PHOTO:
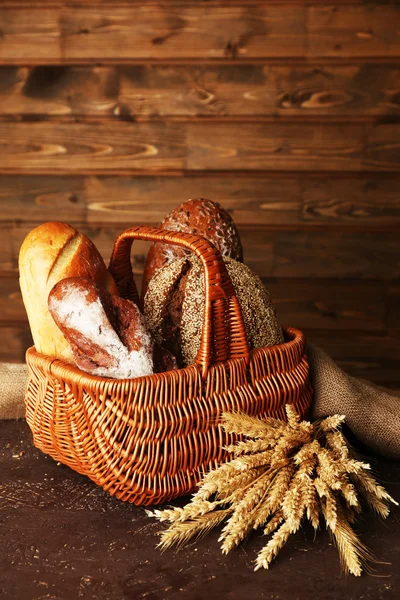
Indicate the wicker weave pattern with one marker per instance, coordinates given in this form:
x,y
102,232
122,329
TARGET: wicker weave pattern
x,y
149,440
223,333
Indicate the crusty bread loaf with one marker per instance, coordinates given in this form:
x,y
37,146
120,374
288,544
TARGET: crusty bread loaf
x,y
107,334
49,253
174,307
200,217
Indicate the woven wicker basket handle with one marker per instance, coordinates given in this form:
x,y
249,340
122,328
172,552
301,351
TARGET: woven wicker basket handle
x,y
223,334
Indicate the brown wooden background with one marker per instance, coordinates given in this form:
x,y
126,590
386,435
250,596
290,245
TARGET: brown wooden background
x,y
288,113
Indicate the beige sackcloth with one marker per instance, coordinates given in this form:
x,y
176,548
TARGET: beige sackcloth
x,y
13,382
371,413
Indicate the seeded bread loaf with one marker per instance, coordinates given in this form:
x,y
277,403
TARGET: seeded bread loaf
x,y
174,307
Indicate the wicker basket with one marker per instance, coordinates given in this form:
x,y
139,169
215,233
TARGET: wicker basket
x,y
150,439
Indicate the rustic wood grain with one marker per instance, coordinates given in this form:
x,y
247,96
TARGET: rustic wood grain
x,y
303,147
151,91
331,305
12,308
287,254
372,357
127,3
367,30
154,32
351,256
9,252
29,35
276,146
72,148
346,202
379,151
248,31
334,306
251,90
283,202
14,342
189,31
46,147
35,200
126,201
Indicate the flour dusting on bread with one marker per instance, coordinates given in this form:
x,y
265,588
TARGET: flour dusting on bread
x,y
81,314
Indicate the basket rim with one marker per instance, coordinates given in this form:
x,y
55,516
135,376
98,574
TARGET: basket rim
x,y
69,372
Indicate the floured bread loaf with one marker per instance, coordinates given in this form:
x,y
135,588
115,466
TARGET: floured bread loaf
x,y
107,334
49,253
174,307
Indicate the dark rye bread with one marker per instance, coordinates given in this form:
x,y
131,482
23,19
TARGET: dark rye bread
x,y
200,217
174,307
107,334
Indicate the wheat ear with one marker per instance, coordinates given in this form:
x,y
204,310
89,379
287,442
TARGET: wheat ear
x,y
275,544
180,533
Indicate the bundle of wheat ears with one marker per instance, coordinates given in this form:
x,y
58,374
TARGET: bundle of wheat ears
x,y
282,474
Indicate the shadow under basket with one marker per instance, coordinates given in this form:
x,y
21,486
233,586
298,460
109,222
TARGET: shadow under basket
x,y
151,439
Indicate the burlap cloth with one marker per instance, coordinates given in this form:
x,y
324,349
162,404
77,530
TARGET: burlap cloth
x,y
13,382
371,413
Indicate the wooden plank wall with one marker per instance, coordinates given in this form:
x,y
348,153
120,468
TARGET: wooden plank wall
x,y
286,112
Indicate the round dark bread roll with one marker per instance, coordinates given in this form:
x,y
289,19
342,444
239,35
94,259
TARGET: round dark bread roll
x,y
201,217
174,307
107,334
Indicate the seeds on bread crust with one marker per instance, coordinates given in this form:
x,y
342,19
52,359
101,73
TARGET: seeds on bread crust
x,y
174,307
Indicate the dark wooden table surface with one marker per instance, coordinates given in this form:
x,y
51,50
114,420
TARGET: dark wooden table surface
x,y
61,537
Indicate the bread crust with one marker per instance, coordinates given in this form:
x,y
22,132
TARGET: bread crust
x,y
198,216
107,333
174,307
51,252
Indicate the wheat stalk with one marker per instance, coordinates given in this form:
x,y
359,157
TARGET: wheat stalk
x,y
241,521
276,543
293,419
181,533
275,493
281,474
251,427
330,423
250,446
312,503
354,556
274,523
369,486
337,443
